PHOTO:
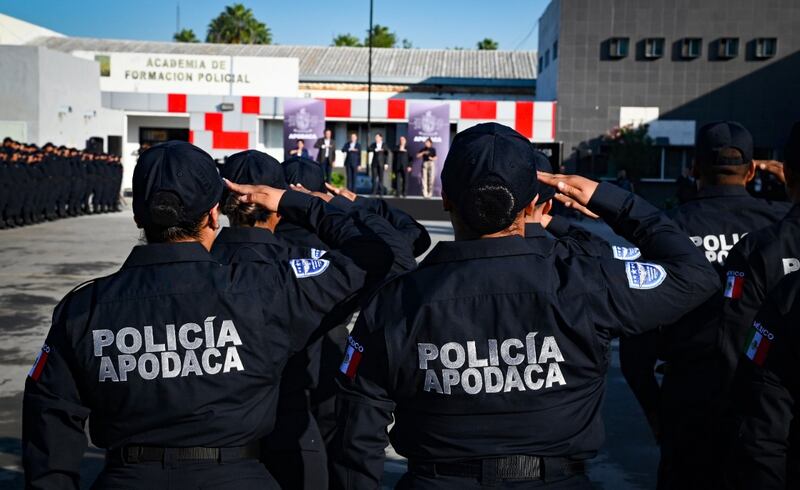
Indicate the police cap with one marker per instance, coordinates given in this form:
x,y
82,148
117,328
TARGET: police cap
x,y
715,137
252,167
174,182
308,173
494,156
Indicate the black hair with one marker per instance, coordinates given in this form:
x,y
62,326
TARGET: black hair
x,y
427,140
168,224
242,213
379,134
717,172
490,209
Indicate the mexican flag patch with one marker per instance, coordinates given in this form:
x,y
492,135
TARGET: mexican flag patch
x,y
352,358
734,285
758,344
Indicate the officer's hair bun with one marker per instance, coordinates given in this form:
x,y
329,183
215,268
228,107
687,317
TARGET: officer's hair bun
x,y
166,209
487,207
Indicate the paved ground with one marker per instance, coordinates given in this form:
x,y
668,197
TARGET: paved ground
x,y
39,264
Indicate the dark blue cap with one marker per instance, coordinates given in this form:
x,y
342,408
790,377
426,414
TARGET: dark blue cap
x,y
252,167
308,173
491,153
717,136
543,164
175,175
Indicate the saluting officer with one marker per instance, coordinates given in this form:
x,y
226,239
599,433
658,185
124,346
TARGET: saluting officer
x,y
176,359
492,355
767,396
683,411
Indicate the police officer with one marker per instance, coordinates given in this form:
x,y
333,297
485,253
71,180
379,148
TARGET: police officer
x,y
682,412
176,359
492,355
766,396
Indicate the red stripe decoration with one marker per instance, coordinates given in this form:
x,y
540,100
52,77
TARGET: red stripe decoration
x,y
176,102
229,140
553,122
478,109
523,119
251,105
213,121
337,107
761,353
38,365
396,109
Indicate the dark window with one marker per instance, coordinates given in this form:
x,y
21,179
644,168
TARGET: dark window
x,y
766,47
555,50
654,47
691,47
728,47
541,63
546,57
618,47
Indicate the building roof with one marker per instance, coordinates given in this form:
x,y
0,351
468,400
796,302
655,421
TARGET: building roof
x,y
346,64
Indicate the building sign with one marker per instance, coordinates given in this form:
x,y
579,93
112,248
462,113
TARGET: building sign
x,y
195,74
427,120
303,119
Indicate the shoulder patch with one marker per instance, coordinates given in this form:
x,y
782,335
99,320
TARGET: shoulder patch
x,y
644,275
352,358
734,285
316,253
308,267
38,364
758,343
625,253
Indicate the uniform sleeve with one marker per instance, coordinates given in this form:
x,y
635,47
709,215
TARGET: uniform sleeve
x,y
669,279
576,238
412,232
363,411
53,415
743,295
637,357
764,403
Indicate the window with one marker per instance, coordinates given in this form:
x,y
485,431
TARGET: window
x,y
555,50
728,47
546,58
691,47
766,47
618,47
654,47
541,63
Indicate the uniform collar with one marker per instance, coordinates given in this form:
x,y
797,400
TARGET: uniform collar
x,y
534,230
483,249
246,234
722,191
162,253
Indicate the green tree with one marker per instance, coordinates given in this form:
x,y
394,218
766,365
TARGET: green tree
x,y
488,44
381,37
237,25
630,148
407,44
185,36
346,40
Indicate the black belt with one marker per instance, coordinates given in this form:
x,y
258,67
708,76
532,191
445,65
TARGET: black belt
x,y
149,454
517,467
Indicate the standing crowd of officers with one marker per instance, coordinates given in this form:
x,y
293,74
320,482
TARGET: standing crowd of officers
x,y
53,182
222,358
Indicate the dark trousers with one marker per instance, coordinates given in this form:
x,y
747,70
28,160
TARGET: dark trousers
x,y
327,168
247,474
400,182
352,171
411,481
294,453
377,179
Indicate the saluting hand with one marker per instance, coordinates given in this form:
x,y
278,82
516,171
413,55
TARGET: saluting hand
x,y
772,166
300,188
265,196
340,191
574,191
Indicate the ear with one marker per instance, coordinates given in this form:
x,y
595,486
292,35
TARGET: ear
x,y
751,172
548,206
213,218
530,209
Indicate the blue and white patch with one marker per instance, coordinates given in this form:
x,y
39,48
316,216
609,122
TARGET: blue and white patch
x,y
625,253
644,275
317,254
303,268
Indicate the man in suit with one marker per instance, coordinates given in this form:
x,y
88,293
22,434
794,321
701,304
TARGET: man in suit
x,y
379,163
352,160
326,153
401,167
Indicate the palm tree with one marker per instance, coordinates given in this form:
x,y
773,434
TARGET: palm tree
x,y
488,44
381,37
185,36
237,25
346,40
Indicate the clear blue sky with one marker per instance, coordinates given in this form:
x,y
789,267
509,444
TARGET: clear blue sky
x,y
426,23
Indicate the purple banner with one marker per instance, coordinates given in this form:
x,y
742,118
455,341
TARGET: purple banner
x,y
427,120
303,119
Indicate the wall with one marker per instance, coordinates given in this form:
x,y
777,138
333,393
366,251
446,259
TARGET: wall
x,y
19,87
760,94
549,29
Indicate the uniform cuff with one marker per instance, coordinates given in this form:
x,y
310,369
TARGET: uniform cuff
x,y
294,206
608,200
342,203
